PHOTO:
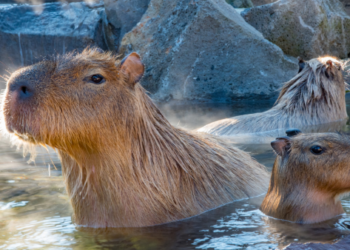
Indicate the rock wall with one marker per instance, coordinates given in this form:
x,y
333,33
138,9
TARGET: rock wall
x,y
123,15
203,50
30,33
308,29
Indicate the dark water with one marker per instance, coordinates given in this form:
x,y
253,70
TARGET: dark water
x,y
35,211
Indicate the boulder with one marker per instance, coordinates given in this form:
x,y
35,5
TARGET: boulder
x,y
123,15
203,50
240,3
30,33
346,4
304,28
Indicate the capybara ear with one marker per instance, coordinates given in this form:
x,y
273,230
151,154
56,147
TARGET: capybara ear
x,y
329,64
133,68
301,64
281,145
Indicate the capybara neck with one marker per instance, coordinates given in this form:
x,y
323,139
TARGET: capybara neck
x,y
124,165
309,176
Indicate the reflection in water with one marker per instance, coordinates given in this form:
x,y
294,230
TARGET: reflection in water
x,y
35,211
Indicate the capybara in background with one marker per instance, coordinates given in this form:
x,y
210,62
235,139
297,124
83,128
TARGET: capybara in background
x,y
309,176
316,95
123,163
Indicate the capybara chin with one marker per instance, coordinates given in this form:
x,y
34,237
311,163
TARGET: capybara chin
x,y
316,95
124,165
309,176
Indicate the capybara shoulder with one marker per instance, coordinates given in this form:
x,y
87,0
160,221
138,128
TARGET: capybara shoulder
x,y
124,164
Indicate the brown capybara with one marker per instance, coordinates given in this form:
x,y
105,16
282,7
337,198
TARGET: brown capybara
x,y
316,95
309,176
124,165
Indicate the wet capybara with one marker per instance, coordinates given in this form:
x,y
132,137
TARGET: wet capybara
x,y
316,95
309,176
123,163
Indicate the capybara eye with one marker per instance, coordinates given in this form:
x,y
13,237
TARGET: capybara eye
x,y
97,79
317,150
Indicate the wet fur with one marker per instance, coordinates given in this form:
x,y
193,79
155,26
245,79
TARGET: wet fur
x,y
123,163
306,188
310,98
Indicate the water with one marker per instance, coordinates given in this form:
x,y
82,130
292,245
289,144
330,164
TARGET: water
x,y
35,212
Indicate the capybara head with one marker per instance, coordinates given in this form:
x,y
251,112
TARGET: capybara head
x,y
71,100
310,173
319,79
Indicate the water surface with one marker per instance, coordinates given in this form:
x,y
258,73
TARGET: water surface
x,y
35,212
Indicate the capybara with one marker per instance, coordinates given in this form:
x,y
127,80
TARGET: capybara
x,y
123,163
309,176
316,95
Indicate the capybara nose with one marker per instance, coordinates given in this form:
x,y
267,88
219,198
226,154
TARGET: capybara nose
x,y
292,132
22,90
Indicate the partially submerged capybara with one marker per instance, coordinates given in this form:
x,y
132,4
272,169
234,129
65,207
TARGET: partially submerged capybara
x,y
316,95
309,176
124,165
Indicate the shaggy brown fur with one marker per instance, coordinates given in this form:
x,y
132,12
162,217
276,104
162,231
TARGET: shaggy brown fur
x,y
123,163
306,187
316,95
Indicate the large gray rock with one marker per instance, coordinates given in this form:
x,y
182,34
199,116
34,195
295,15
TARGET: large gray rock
x,y
309,28
30,33
204,50
240,3
123,15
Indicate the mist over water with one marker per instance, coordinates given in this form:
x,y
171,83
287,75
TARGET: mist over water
x,y
35,212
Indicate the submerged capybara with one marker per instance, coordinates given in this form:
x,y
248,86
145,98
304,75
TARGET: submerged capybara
x,y
316,95
123,163
309,176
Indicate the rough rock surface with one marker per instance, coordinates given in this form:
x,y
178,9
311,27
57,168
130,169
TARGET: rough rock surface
x,y
204,50
343,244
346,4
123,15
304,28
30,33
240,3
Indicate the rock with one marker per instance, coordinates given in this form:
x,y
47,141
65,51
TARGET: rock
x,y
240,3
262,2
346,4
30,33
304,28
342,244
203,50
123,15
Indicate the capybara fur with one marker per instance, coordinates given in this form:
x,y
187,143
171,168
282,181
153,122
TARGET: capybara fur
x,y
316,95
123,163
310,175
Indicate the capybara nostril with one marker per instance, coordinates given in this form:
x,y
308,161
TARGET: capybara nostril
x,y
292,132
25,92
22,90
